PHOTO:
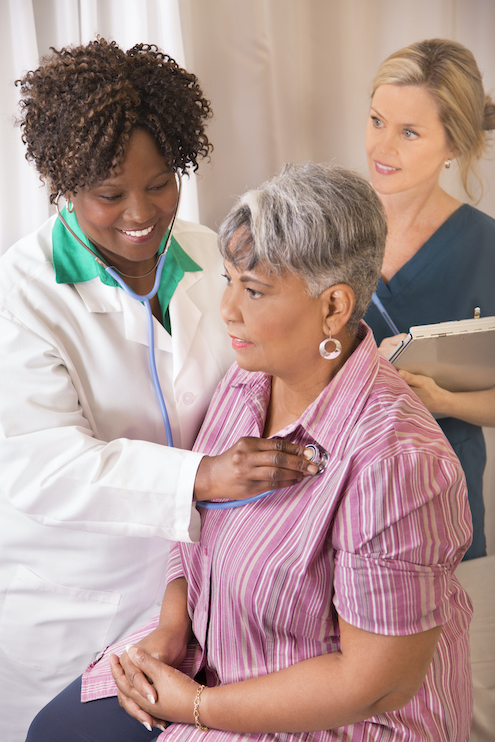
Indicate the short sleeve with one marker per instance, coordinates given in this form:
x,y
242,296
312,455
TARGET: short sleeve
x,y
174,567
403,526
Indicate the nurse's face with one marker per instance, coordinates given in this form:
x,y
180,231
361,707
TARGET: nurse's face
x,y
406,142
127,215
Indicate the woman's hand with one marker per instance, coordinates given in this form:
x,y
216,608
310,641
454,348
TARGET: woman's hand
x,y
173,693
372,674
390,344
162,646
167,644
252,466
433,396
477,408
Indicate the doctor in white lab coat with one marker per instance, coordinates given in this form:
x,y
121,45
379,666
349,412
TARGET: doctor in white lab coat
x,y
82,446
90,495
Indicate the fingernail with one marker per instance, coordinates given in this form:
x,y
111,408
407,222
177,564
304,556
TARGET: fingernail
x,y
145,724
313,468
127,647
151,699
308,453
159,726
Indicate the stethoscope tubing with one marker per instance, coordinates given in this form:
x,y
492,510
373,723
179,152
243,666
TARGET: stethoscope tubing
x,y
142,298
146,299
228,504
386,316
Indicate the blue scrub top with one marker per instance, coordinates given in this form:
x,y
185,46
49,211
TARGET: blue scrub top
x,y
450,275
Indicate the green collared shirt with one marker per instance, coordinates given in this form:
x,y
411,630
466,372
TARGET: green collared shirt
x,y
74,264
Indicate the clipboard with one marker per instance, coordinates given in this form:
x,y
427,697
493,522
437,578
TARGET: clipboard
x,y
459,355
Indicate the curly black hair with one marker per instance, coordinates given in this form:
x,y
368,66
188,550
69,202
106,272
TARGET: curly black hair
x,y
79,108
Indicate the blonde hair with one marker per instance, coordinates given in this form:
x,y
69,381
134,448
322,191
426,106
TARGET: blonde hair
x,y
448,71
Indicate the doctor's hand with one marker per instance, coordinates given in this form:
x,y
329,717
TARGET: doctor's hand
x,y
390,344
252,466
173,692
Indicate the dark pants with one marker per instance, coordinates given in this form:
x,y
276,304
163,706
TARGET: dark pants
x,y
66,719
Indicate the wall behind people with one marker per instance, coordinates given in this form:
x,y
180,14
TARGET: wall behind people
x,y
28,28
289,80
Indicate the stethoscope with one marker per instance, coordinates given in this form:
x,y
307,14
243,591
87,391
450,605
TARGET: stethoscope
x,y
320,456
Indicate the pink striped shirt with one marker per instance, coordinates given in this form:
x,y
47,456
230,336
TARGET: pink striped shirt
x,y
375,539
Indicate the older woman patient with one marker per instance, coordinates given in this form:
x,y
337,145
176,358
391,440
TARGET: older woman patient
x,y
328,610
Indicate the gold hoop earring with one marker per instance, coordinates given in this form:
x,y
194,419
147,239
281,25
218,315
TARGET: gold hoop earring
x,y
69,206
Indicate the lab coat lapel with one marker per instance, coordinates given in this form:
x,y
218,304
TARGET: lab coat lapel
x,y
136,326
99,298
108,299
185,315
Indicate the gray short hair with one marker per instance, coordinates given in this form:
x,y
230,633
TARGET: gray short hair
x,y
323,223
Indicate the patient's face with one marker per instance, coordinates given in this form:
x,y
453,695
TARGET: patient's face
x,y
274,325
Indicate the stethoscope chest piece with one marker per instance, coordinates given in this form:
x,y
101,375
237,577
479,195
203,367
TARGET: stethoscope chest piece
x,y
320,457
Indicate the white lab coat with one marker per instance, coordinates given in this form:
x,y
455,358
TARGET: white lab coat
x,y
89,493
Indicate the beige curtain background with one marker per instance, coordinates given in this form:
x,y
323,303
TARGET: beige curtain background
x,y
288,80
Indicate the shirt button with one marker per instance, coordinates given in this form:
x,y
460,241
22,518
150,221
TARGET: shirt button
x,y
206,550
188,398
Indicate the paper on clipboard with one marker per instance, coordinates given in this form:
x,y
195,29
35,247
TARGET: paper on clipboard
x,y
459,356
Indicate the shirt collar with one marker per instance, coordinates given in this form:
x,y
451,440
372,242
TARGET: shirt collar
x,y
73,264
330,419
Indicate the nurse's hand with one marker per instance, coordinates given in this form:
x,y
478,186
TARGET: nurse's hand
x,y
434,398
252,466
477,408
388,345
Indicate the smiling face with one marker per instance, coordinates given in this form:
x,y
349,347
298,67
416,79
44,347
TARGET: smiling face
x,y
127,215
274,325
406,142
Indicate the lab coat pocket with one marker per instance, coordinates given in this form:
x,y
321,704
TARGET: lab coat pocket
x,y
52,627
